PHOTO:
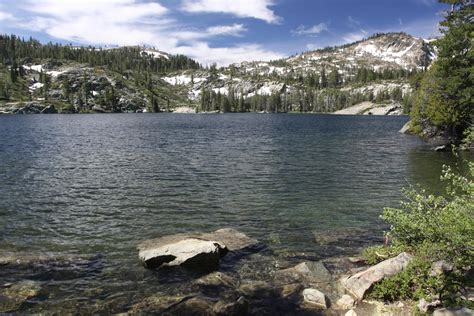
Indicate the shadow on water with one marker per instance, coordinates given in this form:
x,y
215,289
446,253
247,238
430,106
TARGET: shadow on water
x,y
425,168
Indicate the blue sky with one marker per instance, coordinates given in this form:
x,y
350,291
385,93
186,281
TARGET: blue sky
x,y
222,31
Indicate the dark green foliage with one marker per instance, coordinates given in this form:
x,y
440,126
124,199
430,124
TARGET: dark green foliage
x,y
415,282
13,49
445,96
432,228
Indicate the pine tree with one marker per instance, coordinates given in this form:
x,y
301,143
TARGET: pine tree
x,y
445,96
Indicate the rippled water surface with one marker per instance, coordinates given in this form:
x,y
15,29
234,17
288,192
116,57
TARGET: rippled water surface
x,y
94,186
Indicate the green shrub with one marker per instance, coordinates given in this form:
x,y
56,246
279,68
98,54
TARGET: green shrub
x,y
431,228
414,282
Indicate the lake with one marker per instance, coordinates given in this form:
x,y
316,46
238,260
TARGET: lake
x,y
86,189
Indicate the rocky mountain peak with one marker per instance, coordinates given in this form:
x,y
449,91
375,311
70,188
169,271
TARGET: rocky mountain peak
x,y
383,50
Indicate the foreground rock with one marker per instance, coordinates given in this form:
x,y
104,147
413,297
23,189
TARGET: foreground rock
x,y
14,295
202,251
345,302
359,283
305,273
189,252
315,298
453,312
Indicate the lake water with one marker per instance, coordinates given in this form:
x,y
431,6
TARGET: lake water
x,y
94,186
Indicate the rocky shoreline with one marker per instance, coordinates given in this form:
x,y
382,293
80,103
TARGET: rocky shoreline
x,y
223,281
333,286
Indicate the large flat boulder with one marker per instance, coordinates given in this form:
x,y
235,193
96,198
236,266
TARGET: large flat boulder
x,y
359,283
190,252
202,250
231,238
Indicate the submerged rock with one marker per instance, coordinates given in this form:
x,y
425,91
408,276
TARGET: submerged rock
x,y
217,279
305,272
359,283
258,290
239,307
291,290
50,267
14,295
201,251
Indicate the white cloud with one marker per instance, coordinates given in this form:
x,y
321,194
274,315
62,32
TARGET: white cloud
x,y
313,46
313,30
218,30
227,55
353,37
6,16
424,28
258,9
119,22
131,22
353,22
428,3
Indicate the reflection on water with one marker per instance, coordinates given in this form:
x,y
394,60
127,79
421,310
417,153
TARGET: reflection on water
x,y
89,185
425,168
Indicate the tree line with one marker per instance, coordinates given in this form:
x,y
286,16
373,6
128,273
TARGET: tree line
x,y
15,50
295,100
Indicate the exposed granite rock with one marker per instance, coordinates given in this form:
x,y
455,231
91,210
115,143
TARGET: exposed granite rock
x,y
440,267
453,312
193,250
350,313
315,298
345,302
50,109
406,128
189,252
425,306
359,283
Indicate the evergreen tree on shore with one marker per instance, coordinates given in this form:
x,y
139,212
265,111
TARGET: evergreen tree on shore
x,y
445,97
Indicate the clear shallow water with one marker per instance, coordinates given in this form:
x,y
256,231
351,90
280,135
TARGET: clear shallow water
x,y
97,185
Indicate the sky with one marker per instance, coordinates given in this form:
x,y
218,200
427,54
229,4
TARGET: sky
x,y
218,31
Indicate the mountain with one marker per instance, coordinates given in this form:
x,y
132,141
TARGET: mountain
x,y
325,80
393,50
37,78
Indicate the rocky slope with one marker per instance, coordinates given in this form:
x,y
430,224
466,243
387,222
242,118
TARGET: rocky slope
x,y
378,65
326,80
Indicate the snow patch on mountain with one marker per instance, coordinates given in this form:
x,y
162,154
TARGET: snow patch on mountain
x,y
155,53
182,80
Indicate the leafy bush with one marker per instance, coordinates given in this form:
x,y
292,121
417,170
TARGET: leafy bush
x,y
415,282
432,228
